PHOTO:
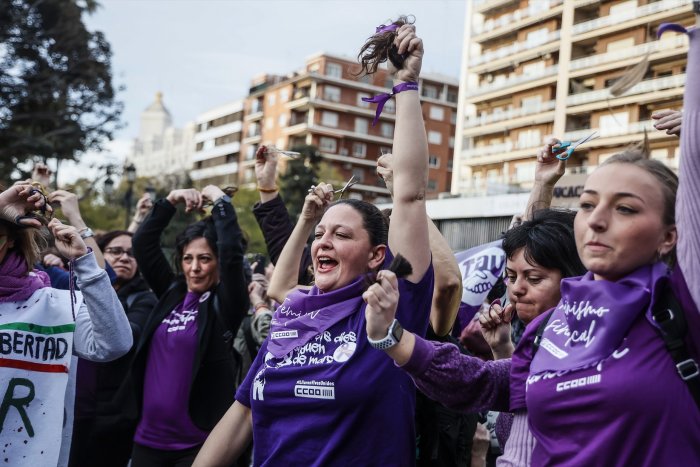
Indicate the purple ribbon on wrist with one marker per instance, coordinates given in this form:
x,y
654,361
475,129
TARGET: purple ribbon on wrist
x,y
386,28
381,99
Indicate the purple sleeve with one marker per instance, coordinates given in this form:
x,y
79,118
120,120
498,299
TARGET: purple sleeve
x,y
520,444
687,207
458,381
520,369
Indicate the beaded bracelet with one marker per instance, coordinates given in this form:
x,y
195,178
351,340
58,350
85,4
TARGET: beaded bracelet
x,y
267,190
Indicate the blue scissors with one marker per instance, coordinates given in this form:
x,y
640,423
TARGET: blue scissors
x,y
571,146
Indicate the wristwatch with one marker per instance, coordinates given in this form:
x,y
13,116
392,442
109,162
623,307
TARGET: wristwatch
x,y
86,233
393,337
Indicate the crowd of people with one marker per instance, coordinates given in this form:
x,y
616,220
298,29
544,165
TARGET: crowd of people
x,y
340,350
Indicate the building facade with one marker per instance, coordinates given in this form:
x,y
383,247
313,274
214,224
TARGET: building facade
x,y
533,68
217,151
321,105
161,151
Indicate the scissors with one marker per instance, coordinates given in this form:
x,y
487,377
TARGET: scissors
x,y
571,146
349,183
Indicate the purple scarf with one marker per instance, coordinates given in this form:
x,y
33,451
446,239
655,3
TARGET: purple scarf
x,y
593,317
15,284
307,313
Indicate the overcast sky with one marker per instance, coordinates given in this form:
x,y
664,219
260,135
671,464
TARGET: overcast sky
x,y
203,53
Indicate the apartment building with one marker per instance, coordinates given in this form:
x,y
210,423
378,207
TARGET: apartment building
x,y
321,105
533,68
217,151
161,150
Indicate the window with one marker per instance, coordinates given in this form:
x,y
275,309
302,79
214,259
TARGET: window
x,y
269,123
329,119
360,102
328,144
282,121
613,123
359,175
453,118
367,79
331,93
434,137
271,99
432,185
437,113
451,142
284,95
621,44
533,69
250,152
334,70
390,106
208,144
626,9
384,150
529,138
531,104
430,92
361,125
537,37
359,149
433,161
387,130
452,95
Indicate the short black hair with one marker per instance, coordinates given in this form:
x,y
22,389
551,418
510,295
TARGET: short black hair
x,y
201,229
547,240
373,220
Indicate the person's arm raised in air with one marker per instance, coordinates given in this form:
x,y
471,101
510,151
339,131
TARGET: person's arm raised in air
x,y
71,209
228,439
408,232
548,171
447,290
153,264
143,206
271,212
284,279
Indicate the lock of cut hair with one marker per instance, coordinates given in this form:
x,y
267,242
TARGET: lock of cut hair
x,y
380,46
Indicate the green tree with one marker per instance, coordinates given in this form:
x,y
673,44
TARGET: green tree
x,y
56,93
243,201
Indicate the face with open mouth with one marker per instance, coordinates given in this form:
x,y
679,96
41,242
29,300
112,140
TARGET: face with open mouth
x,y
341,249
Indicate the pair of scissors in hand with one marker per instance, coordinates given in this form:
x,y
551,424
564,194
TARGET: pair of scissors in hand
x,y
571,146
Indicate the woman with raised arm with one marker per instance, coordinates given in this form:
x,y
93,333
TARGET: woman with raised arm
x,y
318,392
41,327
184,371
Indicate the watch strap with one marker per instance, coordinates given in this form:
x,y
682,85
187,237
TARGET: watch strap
x,y
86,233
393,337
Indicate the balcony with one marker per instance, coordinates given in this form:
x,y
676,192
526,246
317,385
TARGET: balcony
x,y
633,128
651,85
484,6
513,81
491,149
493,117
216,171
216,132
506,21
639,12
512,49
216,151
662,45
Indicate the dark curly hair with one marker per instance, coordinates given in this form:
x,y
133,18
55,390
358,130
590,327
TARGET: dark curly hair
x,y
380,46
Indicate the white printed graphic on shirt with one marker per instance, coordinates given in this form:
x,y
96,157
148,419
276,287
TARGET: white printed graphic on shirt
x,y
315,389
177,321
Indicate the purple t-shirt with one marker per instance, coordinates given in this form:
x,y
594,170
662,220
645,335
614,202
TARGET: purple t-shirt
x,y
630,409
336,400
165,422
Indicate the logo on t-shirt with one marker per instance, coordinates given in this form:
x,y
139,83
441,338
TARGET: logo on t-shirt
x,y
315,389
291,334
344,351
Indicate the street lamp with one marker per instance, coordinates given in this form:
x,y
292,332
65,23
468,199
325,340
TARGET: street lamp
x,y
130,171
109,186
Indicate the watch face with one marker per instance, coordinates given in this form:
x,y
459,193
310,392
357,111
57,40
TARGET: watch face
x,y
397,331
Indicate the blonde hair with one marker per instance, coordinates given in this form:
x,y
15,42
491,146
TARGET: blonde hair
x,y
28,243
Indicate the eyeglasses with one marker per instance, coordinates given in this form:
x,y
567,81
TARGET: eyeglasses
x,y
118,251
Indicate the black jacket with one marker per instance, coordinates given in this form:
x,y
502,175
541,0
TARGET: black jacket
x,y
273,219
214,368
